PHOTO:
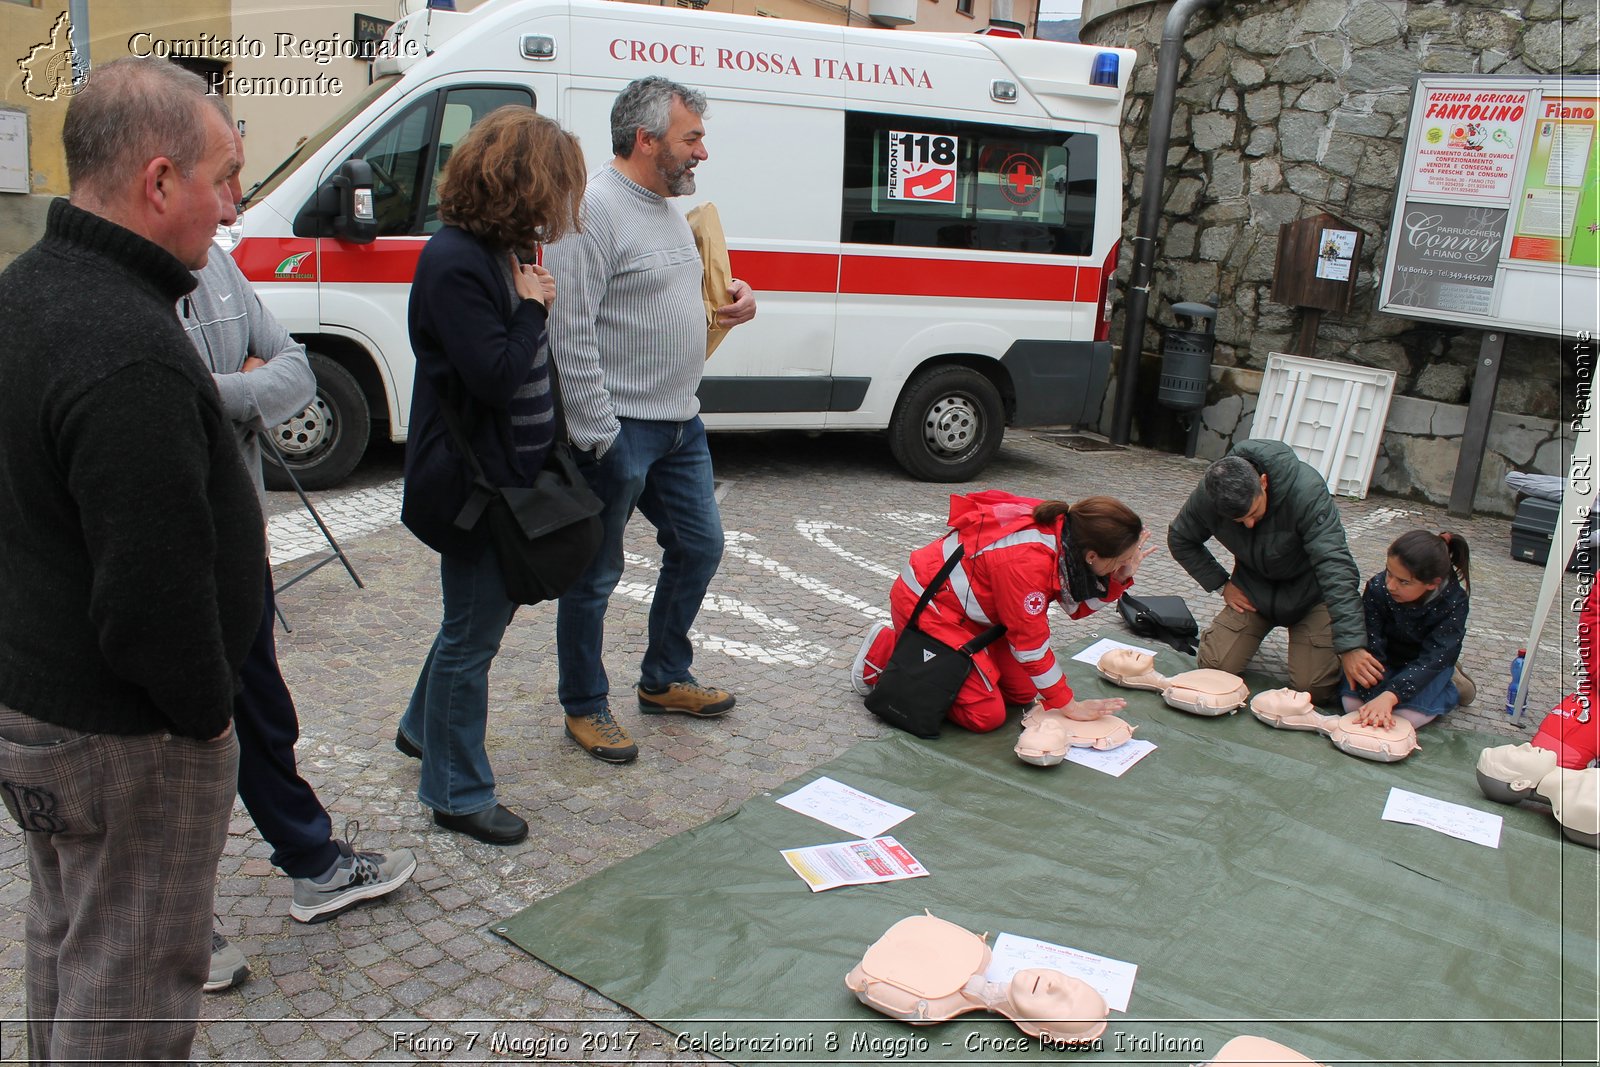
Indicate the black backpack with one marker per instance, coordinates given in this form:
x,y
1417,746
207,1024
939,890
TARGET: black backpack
x,y
1165,618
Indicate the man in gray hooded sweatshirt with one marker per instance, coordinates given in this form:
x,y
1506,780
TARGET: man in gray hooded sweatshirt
x,y
263,377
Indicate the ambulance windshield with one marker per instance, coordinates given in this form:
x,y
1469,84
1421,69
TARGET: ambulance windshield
x,y
307,147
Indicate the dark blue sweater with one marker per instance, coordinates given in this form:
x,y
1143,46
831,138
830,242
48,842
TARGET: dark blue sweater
x,y
1415,641
473,343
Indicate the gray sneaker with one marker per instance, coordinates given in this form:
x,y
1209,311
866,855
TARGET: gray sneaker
x,y
356,877
228,966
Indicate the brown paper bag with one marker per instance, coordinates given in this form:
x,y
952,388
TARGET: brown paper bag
x,y
707,228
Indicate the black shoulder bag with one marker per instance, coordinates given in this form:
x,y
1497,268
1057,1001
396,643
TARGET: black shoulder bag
x,y
1165,618
920,682
545,535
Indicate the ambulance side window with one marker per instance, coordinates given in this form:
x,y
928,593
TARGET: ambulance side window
x,y
462,110
938,183
397,156
409,153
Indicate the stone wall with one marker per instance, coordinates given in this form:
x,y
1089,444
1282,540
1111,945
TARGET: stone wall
x,y
1289,108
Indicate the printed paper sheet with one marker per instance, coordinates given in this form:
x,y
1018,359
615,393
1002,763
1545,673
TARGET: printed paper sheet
x,y
1112,979
883,859
845,808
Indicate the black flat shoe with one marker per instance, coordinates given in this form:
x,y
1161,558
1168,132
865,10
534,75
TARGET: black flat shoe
x,y
494,826
407,746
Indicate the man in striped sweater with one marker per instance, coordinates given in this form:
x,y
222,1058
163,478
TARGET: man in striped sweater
x,y
629,339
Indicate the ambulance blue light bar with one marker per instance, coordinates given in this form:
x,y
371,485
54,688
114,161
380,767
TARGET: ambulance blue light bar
x,y
1107,67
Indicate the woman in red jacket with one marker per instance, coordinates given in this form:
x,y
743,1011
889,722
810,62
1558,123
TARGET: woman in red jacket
x,y
1018,556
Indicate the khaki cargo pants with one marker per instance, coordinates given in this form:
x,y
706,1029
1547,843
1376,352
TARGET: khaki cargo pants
x,y
1233,637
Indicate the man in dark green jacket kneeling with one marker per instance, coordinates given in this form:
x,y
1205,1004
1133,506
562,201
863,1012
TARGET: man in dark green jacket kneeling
x,y
1292,568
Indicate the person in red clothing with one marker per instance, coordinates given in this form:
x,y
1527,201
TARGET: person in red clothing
x,y
1572,729
1019,556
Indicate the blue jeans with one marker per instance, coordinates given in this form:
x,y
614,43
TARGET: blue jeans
x,y
1438,697
449,710
663,469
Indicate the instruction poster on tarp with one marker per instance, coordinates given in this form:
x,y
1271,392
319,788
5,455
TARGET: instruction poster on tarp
x,y
1497,223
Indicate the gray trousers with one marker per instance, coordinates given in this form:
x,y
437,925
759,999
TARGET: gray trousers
x,y
1233,637
123,835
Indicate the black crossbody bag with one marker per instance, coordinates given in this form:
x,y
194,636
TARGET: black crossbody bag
x,y
545,535
919,684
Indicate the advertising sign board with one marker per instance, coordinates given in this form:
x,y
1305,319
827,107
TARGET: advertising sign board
x,y
1497,223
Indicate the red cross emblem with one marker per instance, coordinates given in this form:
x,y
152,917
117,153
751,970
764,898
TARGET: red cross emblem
x,y
1021,178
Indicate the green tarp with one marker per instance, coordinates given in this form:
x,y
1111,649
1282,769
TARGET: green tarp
x,y
1245,870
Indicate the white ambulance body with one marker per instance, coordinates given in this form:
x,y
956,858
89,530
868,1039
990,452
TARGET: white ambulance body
x,y
930,221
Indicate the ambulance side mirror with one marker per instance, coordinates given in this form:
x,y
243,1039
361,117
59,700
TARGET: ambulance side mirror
x,y
354,219
342,206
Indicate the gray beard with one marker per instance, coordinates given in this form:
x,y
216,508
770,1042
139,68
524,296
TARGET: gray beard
x,y
679,184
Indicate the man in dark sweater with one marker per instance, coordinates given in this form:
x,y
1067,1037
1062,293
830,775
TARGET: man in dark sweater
x,y
131,559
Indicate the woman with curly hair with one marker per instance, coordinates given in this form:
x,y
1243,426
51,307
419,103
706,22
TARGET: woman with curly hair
x,y
477,321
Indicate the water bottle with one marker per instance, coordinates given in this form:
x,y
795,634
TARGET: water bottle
x,y
1516,680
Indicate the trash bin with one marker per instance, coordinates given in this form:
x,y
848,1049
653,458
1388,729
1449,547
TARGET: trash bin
x,y
1186,365
1186,358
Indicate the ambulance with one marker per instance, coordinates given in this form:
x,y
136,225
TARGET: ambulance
x,y
930,221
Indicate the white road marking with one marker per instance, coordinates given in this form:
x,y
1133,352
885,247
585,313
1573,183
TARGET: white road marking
x,y
734,547
783,647
294,534
817,534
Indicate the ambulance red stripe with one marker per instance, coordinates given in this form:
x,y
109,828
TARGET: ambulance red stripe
x,y
392,260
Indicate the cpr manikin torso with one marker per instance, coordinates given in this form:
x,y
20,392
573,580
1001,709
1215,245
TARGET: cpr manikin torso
x,y
925,970
1291,709
1574,798
1200,692
1046,735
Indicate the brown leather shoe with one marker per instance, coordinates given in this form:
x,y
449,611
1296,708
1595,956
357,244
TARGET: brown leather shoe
x,y
1465,686
602,737
686,698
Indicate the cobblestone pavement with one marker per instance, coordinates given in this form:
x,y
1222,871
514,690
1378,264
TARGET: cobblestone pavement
x,y
816,529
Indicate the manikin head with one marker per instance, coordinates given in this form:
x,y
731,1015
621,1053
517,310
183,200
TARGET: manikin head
x,y
1066,1009
1508,773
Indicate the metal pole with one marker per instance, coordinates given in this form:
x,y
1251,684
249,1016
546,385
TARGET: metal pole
x,y
78,17
1475,436
1150,201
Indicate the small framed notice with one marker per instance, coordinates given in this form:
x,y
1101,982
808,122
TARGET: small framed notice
x,y
13,151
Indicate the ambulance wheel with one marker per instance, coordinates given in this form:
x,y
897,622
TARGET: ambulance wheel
x,y
325,441
947,425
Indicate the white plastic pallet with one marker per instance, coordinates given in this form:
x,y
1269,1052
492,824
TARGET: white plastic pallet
x,y
1331,414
